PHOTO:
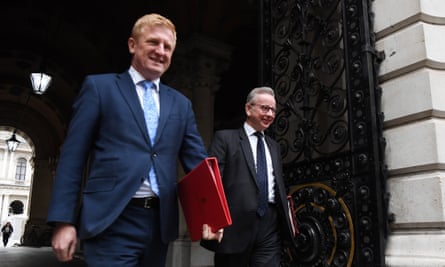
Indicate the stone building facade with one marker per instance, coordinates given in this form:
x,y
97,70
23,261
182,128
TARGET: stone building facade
x,y
16,172
412,77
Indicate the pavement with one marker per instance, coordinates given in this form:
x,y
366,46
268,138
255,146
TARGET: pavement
x,y
19,256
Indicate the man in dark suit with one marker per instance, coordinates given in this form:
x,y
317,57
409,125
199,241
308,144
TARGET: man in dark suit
x,y
128,211
256,235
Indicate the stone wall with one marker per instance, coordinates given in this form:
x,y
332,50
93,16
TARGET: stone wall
x,y
412,76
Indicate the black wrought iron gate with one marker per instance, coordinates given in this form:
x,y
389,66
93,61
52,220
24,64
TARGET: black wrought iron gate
x,y
319,57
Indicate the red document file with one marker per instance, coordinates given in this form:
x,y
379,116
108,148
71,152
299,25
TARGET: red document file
x,y
291,213
203,200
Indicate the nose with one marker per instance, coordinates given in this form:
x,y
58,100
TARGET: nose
x,y
270,112
160,48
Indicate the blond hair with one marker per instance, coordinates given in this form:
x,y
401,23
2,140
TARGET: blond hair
x,y
151,20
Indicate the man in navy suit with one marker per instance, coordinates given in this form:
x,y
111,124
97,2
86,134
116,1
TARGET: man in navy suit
x,y
125,210
260,222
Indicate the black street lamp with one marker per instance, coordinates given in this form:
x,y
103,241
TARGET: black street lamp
x,y
40,82
12,143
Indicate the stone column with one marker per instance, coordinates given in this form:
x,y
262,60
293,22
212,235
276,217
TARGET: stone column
x,y
3,161
196,71
411,33
37,233
4,207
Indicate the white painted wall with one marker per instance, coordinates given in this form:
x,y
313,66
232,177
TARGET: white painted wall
x,y
412,35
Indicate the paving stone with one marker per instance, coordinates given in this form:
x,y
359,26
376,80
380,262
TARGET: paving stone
x,y
34,257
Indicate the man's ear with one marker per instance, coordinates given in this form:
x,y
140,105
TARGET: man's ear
x,y
248,109
131,43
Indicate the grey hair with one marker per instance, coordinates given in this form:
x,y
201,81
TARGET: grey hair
x,y
259,90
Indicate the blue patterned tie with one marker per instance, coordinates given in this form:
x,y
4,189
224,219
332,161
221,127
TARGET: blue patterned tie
x,y
151,120
261,171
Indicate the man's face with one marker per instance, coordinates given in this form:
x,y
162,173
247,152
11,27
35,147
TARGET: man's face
x,y
261,112
152,50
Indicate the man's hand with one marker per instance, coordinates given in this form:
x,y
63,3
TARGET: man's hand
x,y
207,233
64,241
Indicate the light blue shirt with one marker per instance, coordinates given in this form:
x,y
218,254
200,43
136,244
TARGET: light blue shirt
x,y
145,189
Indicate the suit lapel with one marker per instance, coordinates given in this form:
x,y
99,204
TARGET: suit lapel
x,y
275,155
166,101
248,153
272,149
125,85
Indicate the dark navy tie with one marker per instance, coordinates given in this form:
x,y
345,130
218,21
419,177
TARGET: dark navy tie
x,y
151,119
261,170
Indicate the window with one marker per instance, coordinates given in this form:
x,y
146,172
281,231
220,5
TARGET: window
x,y
20,172
16,207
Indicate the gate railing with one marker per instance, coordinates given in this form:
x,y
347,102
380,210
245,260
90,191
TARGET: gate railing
x,y
319,56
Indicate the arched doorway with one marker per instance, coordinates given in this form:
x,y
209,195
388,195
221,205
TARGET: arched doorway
x,y
16,169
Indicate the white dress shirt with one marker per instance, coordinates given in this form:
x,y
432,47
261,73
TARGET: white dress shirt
x,y
253,139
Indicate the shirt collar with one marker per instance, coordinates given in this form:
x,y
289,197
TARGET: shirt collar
x,y
137,77
249,129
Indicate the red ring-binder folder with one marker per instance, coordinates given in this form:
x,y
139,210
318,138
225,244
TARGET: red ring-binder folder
x,y
203,200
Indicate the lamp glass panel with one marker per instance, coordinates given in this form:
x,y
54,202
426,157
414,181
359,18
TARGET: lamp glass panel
x,y
40,82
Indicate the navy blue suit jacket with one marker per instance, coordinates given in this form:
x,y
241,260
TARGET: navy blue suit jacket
x,y
108,133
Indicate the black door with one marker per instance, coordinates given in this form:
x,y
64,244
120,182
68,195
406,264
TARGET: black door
x,y
319,57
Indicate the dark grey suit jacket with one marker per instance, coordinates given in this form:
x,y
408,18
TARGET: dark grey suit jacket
x,y
237,167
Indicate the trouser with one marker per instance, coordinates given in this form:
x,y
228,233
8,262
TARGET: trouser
x,y
133,240
6,238
264,249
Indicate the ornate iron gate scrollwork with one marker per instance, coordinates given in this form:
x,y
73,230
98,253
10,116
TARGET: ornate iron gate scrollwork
x,y
319,57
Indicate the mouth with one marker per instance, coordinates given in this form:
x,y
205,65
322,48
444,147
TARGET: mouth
x,y
156,62
267,121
